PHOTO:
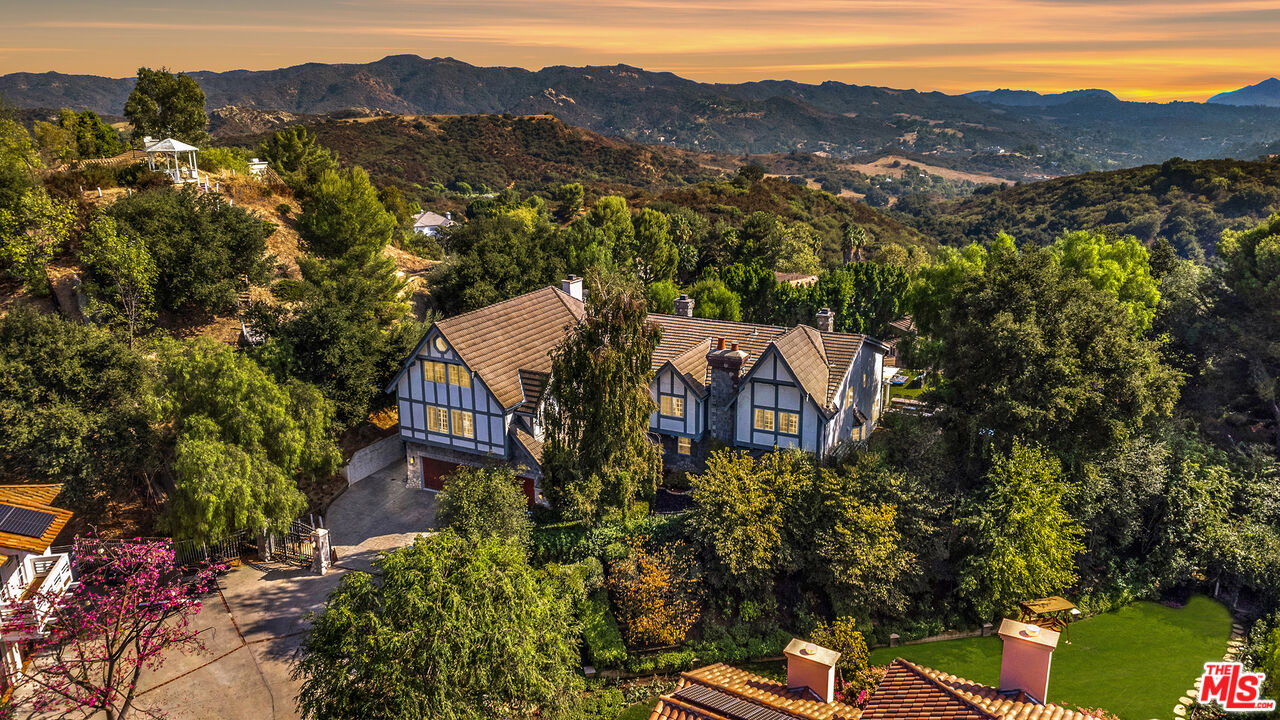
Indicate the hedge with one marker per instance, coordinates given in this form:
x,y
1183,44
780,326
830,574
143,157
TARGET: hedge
x,y
605,648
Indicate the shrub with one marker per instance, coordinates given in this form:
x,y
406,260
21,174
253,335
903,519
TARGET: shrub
x,y
658,593
843,637
600,632
663,662
284,209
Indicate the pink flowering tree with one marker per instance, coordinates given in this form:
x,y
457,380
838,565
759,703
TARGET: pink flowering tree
x,y
132,608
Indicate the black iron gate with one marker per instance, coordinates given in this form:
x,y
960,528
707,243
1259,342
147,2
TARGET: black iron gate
x,y
293,546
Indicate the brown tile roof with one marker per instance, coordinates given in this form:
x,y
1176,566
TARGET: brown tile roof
x,y
818,359
531,444
508,344
517,334
532,384
755,690
669,708
912,692
34,497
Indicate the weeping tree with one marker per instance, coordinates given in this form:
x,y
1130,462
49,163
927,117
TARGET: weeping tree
x,y
598,456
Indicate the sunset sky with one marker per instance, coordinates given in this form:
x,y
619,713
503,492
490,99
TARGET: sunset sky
x,y
1165,50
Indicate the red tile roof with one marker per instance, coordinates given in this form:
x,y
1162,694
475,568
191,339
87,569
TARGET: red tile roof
x,y
33,497
754,690
912,692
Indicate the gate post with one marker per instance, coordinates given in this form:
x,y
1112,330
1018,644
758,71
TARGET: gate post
x,y
320,551
264,546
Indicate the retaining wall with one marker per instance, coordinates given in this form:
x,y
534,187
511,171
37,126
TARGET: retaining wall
x,y
372,458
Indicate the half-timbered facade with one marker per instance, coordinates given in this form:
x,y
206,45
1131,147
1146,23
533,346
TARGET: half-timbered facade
x,y
472,391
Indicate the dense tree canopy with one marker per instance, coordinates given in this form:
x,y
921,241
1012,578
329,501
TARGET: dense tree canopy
x,y
240,439
74,409
598,455
203,247
164,105
341,213
497,640
297,158
479,503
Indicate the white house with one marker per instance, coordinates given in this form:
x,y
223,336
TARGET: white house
x,y
31,578
472,391
433,224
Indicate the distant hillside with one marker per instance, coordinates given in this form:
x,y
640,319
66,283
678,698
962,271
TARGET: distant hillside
x,y
498,151
1075,131
1265,93
1188,202
1029,98
724,201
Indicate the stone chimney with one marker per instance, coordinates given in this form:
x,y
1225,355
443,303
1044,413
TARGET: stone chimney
x,y
812,666
572,286
684,306
726,369
1028,650
826,320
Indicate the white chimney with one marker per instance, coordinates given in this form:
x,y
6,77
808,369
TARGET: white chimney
x,y
572,286
1028,651
813,667
826,320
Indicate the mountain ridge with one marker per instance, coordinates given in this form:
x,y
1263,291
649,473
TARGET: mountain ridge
x,y
1036,135
1265,93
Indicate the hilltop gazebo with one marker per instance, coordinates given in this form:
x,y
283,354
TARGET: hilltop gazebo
x,y
174,158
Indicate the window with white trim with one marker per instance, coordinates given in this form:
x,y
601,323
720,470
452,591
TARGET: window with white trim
x,y
671,406
435,372
459,376
684,446
764,420
464,424
789,423
438,419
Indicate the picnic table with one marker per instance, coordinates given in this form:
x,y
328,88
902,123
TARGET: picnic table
x,y
1053,613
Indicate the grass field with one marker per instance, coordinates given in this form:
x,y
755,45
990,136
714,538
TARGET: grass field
x,y
1135,662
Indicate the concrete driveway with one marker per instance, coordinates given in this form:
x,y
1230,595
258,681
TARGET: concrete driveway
x,y
253,626
377,514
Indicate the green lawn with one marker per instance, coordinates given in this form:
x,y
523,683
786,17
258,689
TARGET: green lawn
x,y
1135,662
639,711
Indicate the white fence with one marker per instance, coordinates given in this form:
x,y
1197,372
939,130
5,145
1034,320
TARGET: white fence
x,y
372,458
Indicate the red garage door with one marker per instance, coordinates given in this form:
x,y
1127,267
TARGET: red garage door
x,y
434,472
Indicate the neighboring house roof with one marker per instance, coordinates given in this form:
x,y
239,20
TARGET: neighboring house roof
x,y
500,340
37,498
721,692
913,692
430,219
905,325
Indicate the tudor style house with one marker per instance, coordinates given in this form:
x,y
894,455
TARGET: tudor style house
x,y
31,578
472,391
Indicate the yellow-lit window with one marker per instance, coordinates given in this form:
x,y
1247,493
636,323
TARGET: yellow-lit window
x,y
764,419
459,376
464,424
684,446
848,396
435,372
437,419
671,406
789,423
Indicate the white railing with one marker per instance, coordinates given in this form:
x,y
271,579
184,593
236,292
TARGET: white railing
x,y
25,618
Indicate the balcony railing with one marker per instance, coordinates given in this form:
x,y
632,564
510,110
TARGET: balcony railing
x,y
25,609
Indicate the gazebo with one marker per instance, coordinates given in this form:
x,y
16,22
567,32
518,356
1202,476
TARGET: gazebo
x,y
174,158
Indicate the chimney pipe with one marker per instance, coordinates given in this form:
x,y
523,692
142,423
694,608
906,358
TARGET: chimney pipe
x,y
735,347
826,320
813,667
1028,652
572,286
719,343
684,306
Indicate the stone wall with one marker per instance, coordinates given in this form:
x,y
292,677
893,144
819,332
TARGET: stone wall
x,y
372,458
